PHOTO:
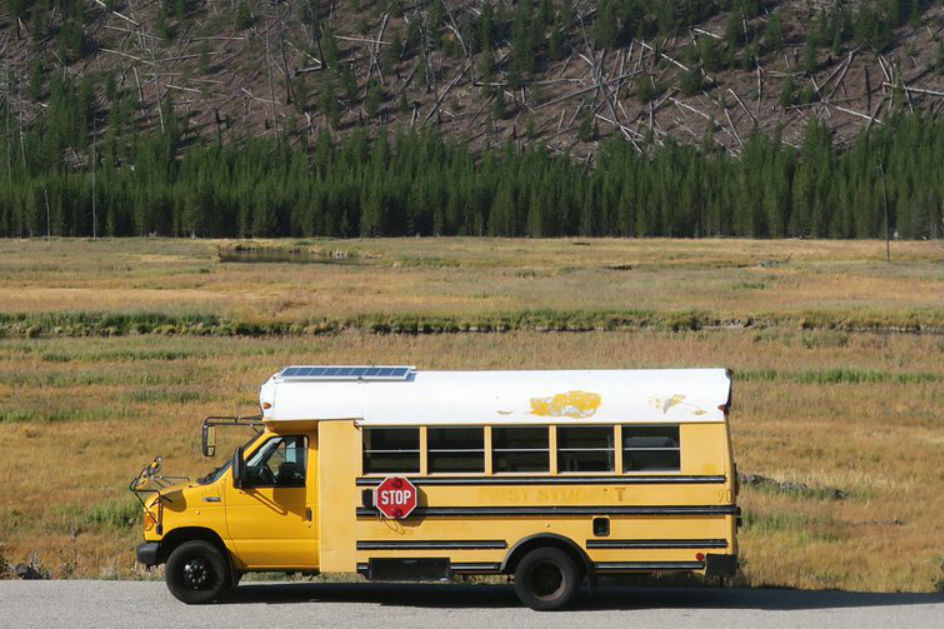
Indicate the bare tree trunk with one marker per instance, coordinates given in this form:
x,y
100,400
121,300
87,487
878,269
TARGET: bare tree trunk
x,y
271,87
48,226
9,111
289,95
22,125
94,158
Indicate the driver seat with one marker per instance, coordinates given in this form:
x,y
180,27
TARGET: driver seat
x,y
290,475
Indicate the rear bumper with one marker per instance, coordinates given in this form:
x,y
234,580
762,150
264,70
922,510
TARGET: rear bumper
x,y
147,553
720,565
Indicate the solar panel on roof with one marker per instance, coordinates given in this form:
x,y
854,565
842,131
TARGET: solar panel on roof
x,y
347,373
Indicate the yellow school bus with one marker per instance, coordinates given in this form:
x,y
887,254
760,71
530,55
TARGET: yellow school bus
x,y
550,477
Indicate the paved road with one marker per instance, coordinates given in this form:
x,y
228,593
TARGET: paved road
x,y
104,604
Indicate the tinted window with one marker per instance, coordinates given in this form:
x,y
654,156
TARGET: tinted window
x,y
520,449
585,449
391,450
651,448
455,449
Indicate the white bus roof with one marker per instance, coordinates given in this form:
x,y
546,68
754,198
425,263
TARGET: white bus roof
x,y
406,396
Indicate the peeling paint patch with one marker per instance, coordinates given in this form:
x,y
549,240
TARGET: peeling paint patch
x,y
675,401
576,404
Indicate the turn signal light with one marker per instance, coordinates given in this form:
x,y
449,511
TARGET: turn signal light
x,y
266,405
149,521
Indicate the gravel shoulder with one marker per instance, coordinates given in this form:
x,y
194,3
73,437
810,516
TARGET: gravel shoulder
x,y
96,604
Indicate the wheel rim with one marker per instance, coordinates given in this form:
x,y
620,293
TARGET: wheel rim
x,y
198,573
546,580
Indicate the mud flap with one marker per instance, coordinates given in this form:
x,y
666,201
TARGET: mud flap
x,y
720,565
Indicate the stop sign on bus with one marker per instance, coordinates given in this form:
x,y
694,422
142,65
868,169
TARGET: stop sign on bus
x,y
395,497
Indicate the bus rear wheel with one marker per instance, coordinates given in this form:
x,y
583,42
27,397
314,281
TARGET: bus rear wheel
x,y
546,579
197,572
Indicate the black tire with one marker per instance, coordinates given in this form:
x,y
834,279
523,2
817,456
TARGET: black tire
x,y
546,579
197,572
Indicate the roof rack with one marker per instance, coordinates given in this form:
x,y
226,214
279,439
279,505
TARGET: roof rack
x,y
353,372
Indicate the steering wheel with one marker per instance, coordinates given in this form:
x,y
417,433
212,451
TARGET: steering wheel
x,y
266,477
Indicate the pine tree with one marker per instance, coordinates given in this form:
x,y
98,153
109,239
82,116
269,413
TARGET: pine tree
x,y
556,43
809,55
37,76
605,25
328,103
349,82
374,99
734,30
434,21
243,18
522,41
586,132
773,36
329,48
394,52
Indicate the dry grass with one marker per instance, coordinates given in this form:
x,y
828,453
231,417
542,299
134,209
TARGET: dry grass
x,y
858,411
456,277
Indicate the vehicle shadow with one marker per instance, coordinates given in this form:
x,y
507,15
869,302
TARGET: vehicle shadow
x,y
627,598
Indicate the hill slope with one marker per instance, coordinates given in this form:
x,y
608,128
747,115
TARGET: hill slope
x,y
559,74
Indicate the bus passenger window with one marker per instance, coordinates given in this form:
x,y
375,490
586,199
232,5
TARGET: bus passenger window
x,y
520,449
391,450
651,448
585,449
456,449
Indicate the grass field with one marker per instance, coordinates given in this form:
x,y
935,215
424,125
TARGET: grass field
x,y
113,351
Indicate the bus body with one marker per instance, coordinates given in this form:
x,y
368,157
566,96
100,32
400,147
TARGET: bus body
x,y
550,476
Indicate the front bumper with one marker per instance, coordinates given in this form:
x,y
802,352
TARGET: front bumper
x,y
147,553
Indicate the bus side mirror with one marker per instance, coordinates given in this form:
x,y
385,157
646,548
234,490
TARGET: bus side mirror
x,y
209,440
239,469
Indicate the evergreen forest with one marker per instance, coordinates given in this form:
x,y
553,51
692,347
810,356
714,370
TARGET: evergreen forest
x,y
421,183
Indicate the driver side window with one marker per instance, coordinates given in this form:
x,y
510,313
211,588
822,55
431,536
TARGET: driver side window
x,y
280,462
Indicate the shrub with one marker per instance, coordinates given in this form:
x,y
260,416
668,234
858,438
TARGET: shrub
x,y
4,566
787,92
692,82
244,18
649,89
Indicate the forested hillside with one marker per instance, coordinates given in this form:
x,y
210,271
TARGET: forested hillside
x,y
537,117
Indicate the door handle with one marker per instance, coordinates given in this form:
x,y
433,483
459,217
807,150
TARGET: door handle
x,y
212,499
308,513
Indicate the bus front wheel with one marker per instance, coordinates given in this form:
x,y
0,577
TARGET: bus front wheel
x,y
197,572
546,579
